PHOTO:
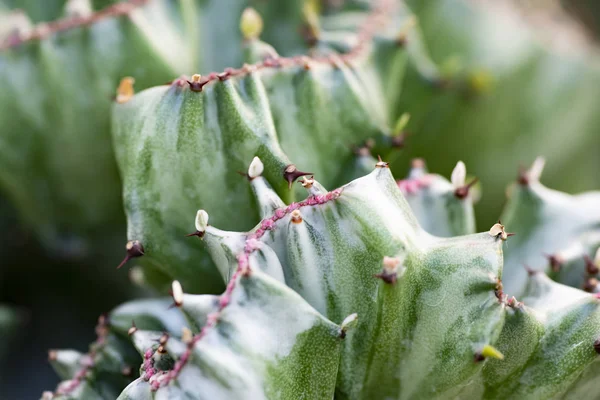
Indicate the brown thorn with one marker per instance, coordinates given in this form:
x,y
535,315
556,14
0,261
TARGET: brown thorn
x,y
387,277
590,267
399,141
590,285
597,346
556,262
530,271
463,191
134,248
197,233
523,177
291,173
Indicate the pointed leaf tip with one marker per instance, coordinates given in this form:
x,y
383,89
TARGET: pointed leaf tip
x,y
125,90
348,323
459,175
201,221
491,352
177,291
256,168
251,24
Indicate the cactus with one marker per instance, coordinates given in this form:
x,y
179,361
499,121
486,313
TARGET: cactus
x,y
376,289
345,293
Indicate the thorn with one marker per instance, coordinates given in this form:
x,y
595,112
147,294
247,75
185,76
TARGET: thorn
x,y
530,271
196,84
133,329
161,349
134,248
498,231
164,339
381,163
523,177
197,233
590,267
556,261
348,323
52,355
597,346
296,217
463,191
126,370
125,90
291,173
389,274
488,352
399,141
590,285
307,183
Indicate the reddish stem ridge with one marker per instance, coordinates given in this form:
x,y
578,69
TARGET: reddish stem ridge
x,y
374,22
46,29
244,269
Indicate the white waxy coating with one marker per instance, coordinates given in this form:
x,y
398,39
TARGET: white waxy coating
x,y
201,220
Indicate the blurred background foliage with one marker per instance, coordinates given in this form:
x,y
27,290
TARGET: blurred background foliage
x,y
520,79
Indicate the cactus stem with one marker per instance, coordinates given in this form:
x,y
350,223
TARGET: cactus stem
x,y
102,332
291,173
463,191
488,352
381,163
556,261
125,90
243,270
134,249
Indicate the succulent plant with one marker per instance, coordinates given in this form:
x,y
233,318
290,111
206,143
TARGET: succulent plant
x,y
378,288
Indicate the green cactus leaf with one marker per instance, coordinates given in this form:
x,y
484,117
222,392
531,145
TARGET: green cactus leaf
x,y
443,208
110,364
328,249
549,348
546,222
506,96
310,111
267,342
65,143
